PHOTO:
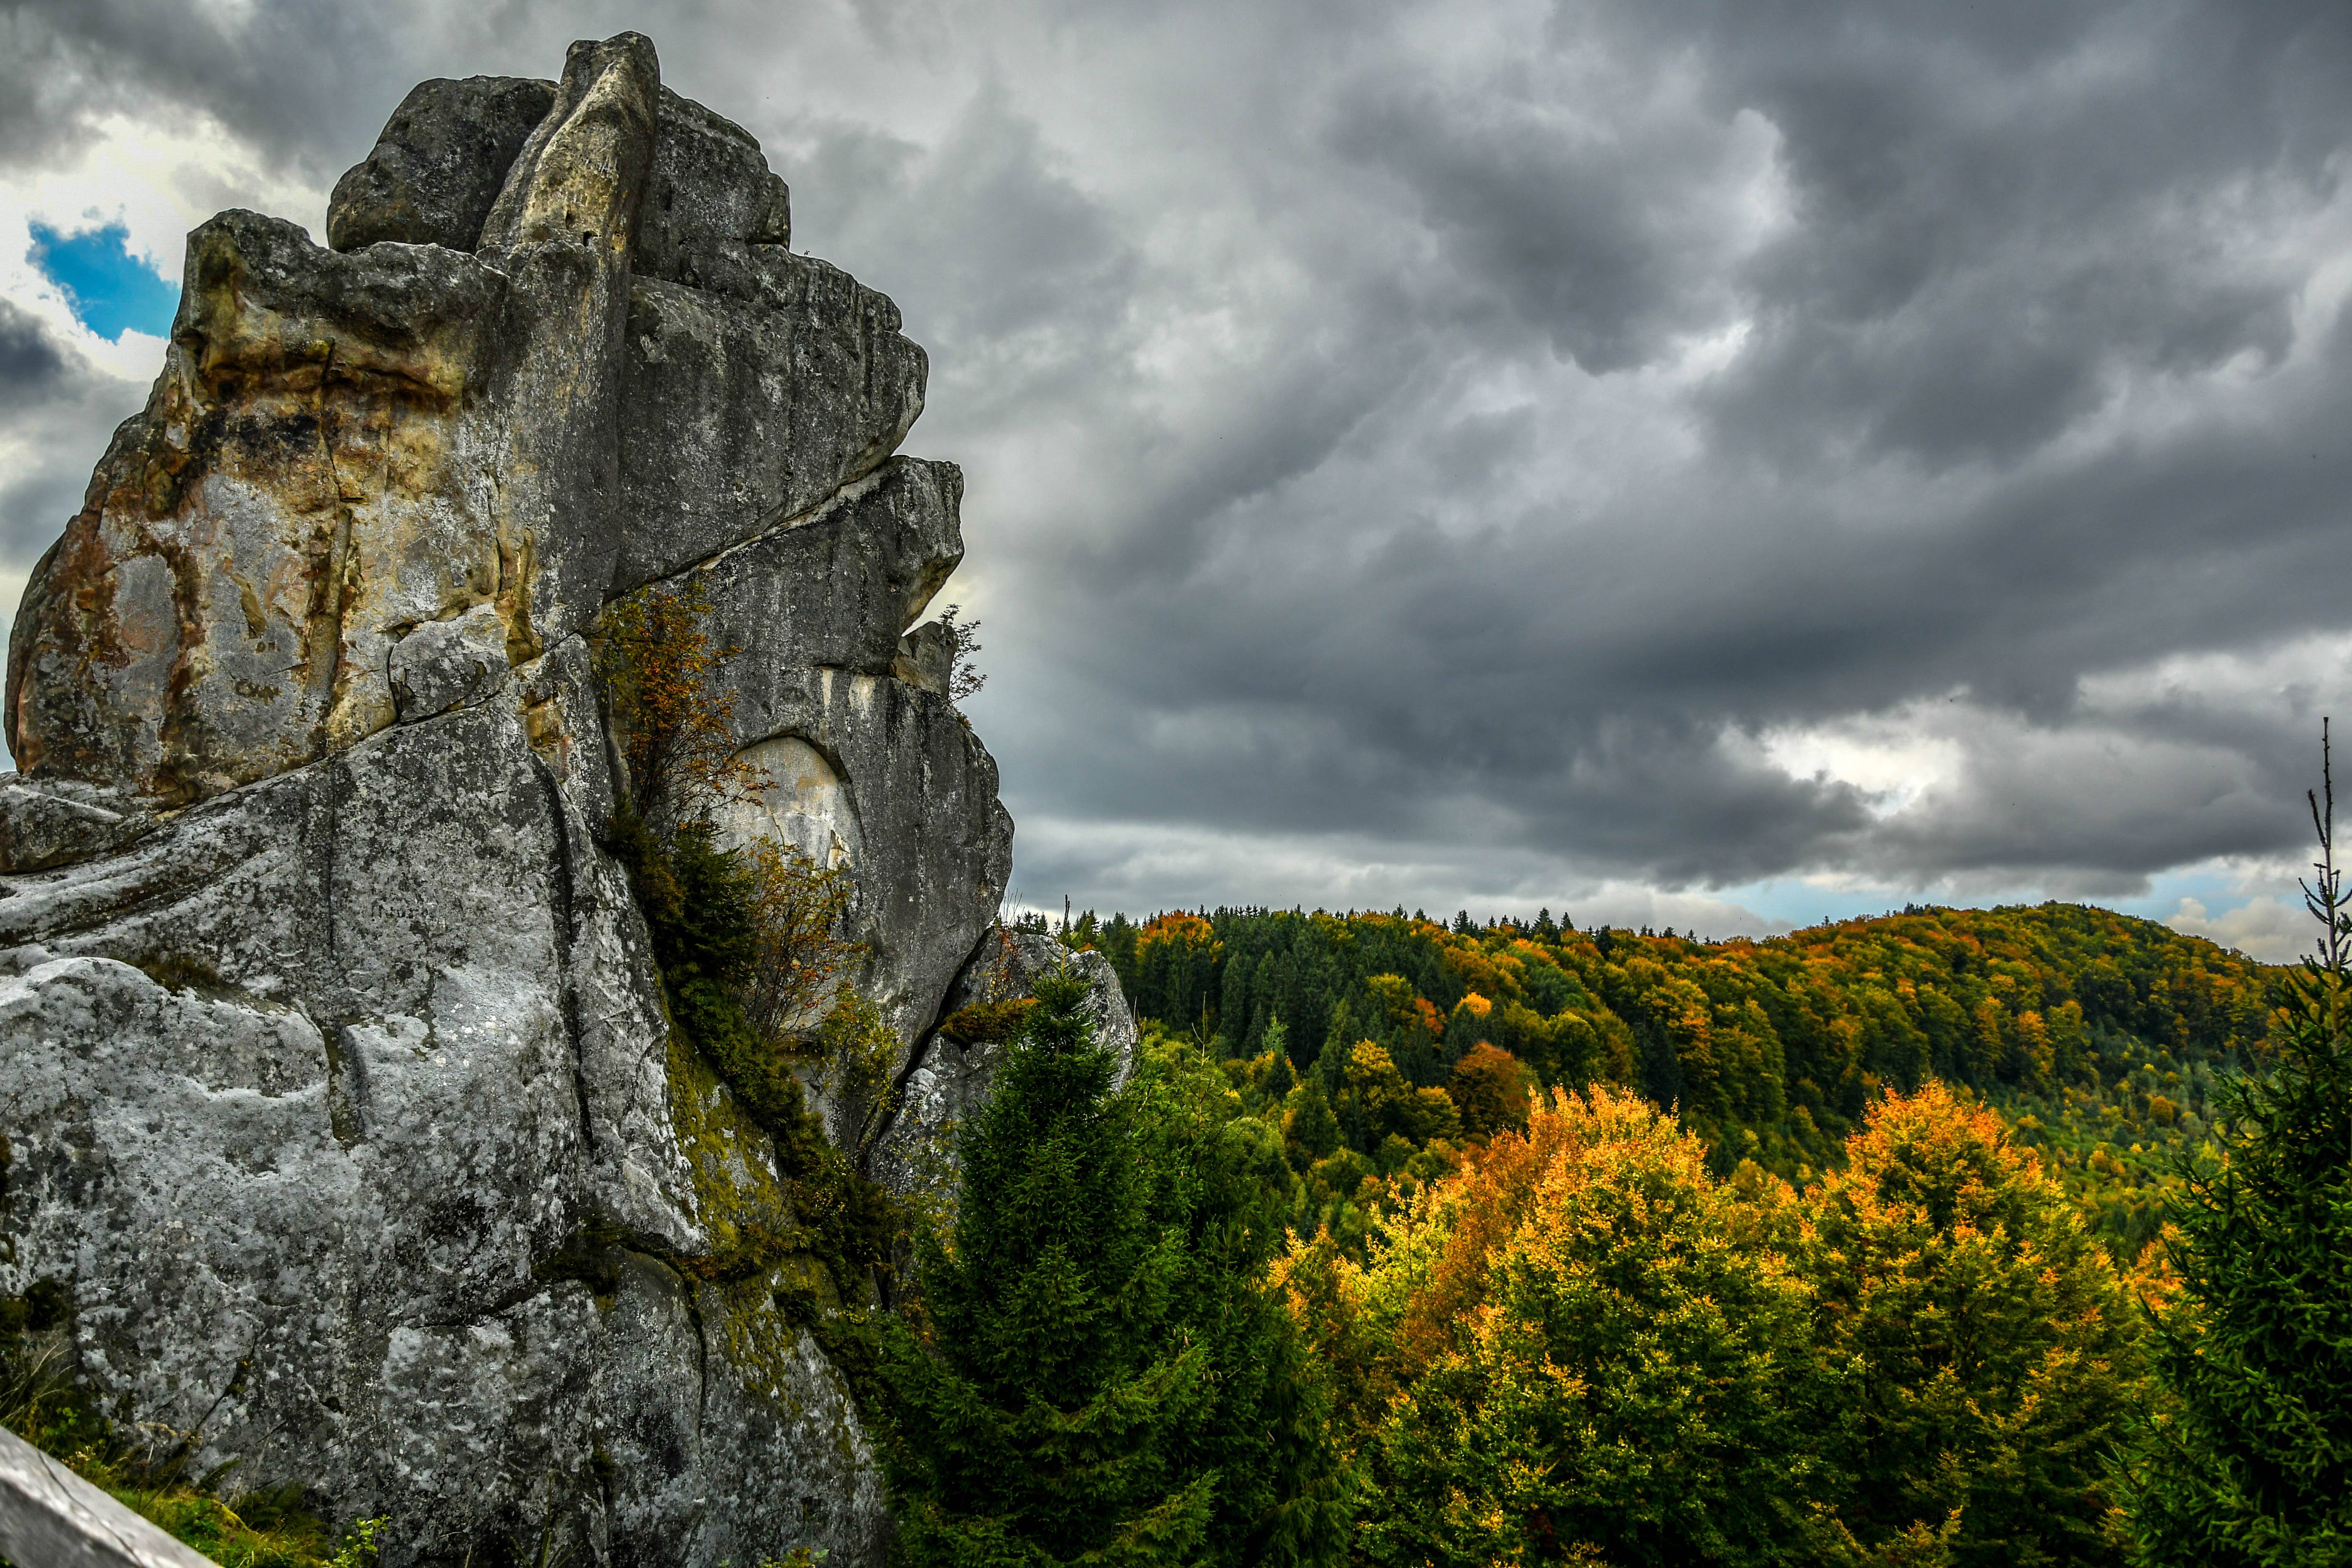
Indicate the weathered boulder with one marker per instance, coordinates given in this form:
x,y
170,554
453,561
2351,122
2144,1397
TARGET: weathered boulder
x,y
339,1086
867,769
926,658
715,447
439,164
63,821
302,487
711,194
341,448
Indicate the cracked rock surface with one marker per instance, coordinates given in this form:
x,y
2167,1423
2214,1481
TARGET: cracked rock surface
x,y
335,1076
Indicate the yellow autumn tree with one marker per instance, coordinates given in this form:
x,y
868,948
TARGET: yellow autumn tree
x,y
1587,1348
1585,1341
1990,1340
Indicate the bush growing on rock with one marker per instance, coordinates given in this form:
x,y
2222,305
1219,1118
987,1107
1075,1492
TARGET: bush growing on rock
x,y
747,938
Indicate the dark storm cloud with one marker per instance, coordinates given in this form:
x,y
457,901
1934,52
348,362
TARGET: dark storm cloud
x,y
32,368
1550,222
1515,441
52,404
1021,277
2004,211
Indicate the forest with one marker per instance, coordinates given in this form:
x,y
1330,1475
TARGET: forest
x,y
1950,1238
2097,1036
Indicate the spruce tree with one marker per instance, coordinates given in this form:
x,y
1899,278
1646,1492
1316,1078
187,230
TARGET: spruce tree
x,y
1282,1495
1100,1376
2252,1464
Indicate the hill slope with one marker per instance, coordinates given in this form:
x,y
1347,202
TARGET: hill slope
x,y
2098,1034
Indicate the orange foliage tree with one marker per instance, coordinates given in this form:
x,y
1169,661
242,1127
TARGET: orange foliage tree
x,y
1489,1088
660,673
1994,1352
1585,1344
776,915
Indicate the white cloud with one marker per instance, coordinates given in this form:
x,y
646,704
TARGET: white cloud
x,y
2264,928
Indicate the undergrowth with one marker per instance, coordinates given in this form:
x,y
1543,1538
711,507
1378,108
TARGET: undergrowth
x,y
144,1468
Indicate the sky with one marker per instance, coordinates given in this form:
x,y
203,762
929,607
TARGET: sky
x,y
1671,462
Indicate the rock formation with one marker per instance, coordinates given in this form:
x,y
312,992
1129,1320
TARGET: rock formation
x,y
950,1080
336,1078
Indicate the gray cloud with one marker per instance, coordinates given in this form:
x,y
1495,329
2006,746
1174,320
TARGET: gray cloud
x,y
2007,214
277,73
33,369
1420,445
53,406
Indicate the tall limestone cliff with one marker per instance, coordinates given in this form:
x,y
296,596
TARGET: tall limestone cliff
x,y
337,1085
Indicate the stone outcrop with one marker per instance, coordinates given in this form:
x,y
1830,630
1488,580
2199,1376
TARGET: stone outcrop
x,y
440,165
949,1080
336,1077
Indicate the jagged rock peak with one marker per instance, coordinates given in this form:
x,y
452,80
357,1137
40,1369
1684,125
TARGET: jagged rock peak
x,y
340,1090
559,349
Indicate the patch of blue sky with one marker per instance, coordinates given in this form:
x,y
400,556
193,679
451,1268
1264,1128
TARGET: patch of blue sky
x,y
112,291
2217,888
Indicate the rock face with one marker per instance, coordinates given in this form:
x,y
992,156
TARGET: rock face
x,y
440,165
335,1076
948,1080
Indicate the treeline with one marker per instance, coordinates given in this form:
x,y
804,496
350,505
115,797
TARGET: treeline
x,y
2100,1036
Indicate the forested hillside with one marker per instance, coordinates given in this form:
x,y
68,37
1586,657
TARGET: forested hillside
x,y
1378,1045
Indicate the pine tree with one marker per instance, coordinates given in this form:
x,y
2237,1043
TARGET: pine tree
x,y
2253,1463
1282,1494
1102,1377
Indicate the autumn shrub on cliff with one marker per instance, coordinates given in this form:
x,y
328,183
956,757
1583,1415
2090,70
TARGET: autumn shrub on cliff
x,y
746,937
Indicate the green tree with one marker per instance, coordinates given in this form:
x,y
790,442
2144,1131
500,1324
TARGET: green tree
x,y
1100,1376
1220,1183
1489,1089
2252,1462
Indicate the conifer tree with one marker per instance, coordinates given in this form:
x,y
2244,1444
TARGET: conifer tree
x,y
2253,1463
1282,1495
1102,1377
